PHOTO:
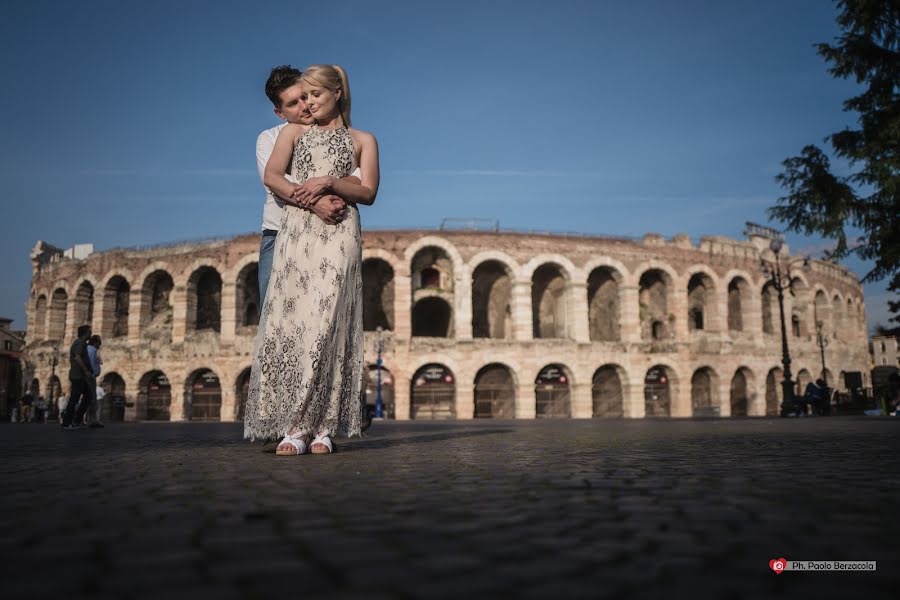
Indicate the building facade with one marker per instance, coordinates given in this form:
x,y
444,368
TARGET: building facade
x,y
11,344
472,324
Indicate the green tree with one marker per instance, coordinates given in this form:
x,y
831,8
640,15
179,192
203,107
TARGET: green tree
x,y
820,202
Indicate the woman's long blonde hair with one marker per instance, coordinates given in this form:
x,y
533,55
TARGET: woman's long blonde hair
x,y
332,77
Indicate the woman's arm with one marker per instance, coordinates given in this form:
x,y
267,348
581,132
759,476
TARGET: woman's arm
x,y
362,193
279,161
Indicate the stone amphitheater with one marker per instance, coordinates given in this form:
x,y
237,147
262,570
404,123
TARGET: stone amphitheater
x,y
472,324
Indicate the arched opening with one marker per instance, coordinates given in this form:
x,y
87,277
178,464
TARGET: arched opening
x,y
387,391
204,300
115,307
35,388
551,393
740,392
155,394
774,392
246,291
548,303
701,300
850,320
40,317
433,393
705,393
795,324
112,406
603,304
801,301
658,392
491,301
241,392
430,277
606,392
803,379
203,396
820,311
84,304
378,295
654,308
738,292
769,306
837,325
495,393
156,305
828,377
431,318
57,326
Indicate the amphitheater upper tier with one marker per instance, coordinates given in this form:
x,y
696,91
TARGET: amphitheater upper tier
x,y
473,324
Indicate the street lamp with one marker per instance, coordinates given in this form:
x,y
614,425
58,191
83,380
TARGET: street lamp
x,y
780,276
379,348
822,343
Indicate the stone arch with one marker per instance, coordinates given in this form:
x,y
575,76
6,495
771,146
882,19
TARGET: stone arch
x,y
156,303
850,316
40,317
56,327
457,263
83,298
566,267
702,305
492,300
116,303
705,400
154,396
432,317
495,392
433,392
604,314
804,378
654,289
203,396
378,294
432,273
742,395
774,392
822,310
549,302
608,391
54,391
552,392
838,326
246,296
660,389
388,400
828,377
738,302
770,315
112,408
801,302
204,299
241,392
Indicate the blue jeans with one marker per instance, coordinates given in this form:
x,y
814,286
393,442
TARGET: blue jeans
x,y
266,253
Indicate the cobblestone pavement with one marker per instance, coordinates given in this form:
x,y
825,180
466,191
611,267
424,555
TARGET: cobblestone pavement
x,y
530,509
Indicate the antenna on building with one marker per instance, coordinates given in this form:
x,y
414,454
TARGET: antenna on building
x,y
470,224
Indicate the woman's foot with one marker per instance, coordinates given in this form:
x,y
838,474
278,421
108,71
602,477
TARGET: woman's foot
x,y
322,444
293,444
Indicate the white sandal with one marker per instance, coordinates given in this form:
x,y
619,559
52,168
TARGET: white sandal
x,y
295,440
324,440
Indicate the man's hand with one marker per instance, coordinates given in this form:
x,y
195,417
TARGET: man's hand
x,y
312,188
331,209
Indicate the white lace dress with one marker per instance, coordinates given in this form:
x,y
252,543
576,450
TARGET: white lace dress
x,y
308,360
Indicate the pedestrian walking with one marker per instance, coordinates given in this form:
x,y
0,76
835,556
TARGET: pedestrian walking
x,y
93,349
81,379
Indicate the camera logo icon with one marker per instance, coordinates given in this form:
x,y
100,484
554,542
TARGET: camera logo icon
x,y
778,564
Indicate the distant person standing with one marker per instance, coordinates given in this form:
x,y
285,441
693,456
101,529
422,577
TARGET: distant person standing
x,y
93,349
81,378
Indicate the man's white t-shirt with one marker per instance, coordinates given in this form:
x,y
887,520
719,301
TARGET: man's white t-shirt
x,y
273,208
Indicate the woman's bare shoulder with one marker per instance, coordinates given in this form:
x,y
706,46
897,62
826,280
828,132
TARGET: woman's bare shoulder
x,y
361,136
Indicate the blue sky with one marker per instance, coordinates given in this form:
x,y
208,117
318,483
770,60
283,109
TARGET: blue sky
x,y
133,123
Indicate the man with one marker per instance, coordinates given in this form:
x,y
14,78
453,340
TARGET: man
x,y
284,91
81,379
93,349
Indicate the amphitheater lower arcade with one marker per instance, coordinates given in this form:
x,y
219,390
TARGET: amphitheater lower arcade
x,y
473,324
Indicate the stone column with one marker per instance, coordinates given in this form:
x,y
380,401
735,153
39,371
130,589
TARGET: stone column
x,y
179,313
681,399
402,307
228,314
135,304
523,328
677,305
633,398
629,315
401,396
752,308
582,401
465,399
99,320
526,405
226,414
177,383
71,329
462,295
579,324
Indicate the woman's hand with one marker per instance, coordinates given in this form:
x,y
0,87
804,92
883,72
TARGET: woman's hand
x,y
313,188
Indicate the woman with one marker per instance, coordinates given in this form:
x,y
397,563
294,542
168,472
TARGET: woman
x,y
306,379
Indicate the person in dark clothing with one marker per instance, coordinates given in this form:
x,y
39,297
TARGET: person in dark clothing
x,y
82,379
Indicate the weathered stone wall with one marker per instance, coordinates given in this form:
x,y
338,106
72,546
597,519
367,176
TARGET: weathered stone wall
x,y
182,309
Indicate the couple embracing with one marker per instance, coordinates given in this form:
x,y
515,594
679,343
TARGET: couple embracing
x,y
307,374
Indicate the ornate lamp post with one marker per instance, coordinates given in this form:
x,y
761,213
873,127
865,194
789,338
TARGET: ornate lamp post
x,y
379,348
822,343
780,276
